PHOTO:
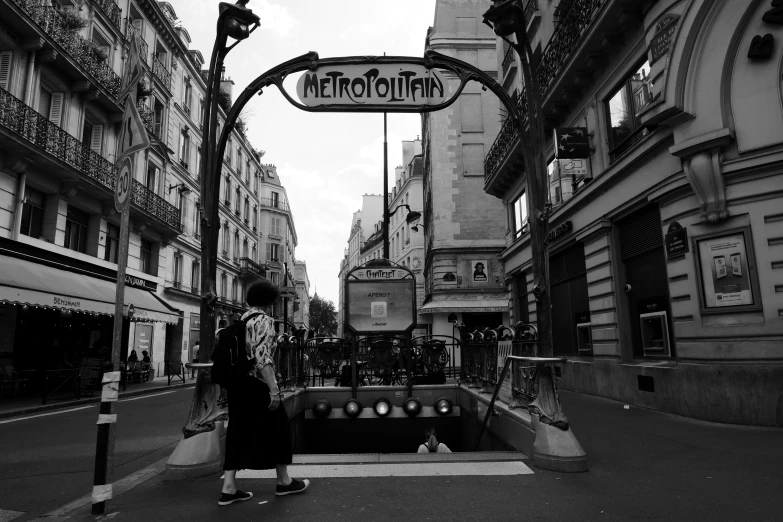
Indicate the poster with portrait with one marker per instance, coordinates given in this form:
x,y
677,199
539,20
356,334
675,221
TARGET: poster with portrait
x,y
479,269
726,270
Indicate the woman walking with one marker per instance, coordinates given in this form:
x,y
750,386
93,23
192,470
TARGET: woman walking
x,y
259,435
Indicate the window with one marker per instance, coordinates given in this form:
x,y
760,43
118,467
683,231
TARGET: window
x,y
195,276
229,150
255,218
183,209
236,245
184,150
177,270
234,290
276,199
201,113
112,243
197,220
152,176
258,176
623,108
76,230
275,278
187,99
199,170
145,257
519,208
275,226
255,253
239,164
157,118
247,172
244,248
225,239
247,209
223,285
272,251
228,191
238,200
32,213
92,136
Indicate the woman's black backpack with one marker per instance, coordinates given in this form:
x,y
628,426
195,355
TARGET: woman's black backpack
x,y
229,358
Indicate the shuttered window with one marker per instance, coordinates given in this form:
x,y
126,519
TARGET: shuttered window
x,y
568,264
96,140
56,108
6,59
641,232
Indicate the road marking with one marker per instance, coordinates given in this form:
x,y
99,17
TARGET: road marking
x,y
147,396
6,515
44,415
120,487
419,469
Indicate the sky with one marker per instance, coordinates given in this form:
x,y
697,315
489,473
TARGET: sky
x,y
326,161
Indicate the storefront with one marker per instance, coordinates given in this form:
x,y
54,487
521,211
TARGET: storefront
x,y
52,317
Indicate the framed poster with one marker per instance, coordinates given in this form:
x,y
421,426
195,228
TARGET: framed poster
x,y
479,270
726,272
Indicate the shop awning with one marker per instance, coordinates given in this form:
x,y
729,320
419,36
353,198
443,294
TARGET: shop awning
x,y
472,305
28,283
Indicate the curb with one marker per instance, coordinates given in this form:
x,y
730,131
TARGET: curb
x,y
89,400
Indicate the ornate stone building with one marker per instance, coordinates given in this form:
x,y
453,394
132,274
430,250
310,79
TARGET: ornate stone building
x,y
665,255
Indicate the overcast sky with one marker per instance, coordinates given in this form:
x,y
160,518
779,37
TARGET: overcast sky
x,y
325,161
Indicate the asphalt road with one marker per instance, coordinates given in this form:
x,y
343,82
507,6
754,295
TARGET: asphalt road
x,y
47,461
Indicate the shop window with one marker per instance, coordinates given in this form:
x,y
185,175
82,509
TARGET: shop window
x,y
112,243
623,108
32,213
145,257
519,217
76,230
568,291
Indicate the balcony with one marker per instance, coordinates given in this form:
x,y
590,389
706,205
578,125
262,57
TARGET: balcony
x,y
66,41
585,27
148,117
143,47
111,10
273,203
30,128
161,73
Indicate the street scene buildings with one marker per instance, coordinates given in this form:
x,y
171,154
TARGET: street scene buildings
x,y
654,129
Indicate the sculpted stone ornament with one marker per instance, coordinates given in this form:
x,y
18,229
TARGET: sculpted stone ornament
x,y
547,403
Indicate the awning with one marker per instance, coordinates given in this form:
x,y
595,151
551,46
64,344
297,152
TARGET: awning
x,y
29,283
472,305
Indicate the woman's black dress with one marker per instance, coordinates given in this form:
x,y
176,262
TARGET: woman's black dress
x,y
257,437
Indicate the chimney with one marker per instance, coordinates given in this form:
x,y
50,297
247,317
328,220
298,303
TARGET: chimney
x,y
226,84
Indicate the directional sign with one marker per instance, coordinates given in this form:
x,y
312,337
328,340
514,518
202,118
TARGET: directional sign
x,y
123,185
287,291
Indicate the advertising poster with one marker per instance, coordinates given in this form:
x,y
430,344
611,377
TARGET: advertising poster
x,y
724,271
479,268
381,306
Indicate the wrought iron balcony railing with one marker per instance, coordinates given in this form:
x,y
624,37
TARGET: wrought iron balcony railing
x,y
566,37
143,47
25,122
530,9
111,10
51,22
147,117
160,71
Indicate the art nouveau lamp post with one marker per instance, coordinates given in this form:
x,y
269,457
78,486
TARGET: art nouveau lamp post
x,y
506,18
237,22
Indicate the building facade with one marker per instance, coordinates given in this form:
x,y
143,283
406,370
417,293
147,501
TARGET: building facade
x,y
279,240
302,303
464,228
665,254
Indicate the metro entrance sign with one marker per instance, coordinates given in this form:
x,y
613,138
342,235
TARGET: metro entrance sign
x,y
380,299
372,84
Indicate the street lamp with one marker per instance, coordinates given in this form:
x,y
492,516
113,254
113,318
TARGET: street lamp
x,y
506,18
412,217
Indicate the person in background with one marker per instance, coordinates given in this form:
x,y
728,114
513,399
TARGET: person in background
x,y
431,444
196,347
133,357
259,434
145,357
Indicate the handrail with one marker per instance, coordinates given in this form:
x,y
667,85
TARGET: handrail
x,y
490,409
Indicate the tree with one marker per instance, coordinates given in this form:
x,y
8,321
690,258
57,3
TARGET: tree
x,y
322,316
